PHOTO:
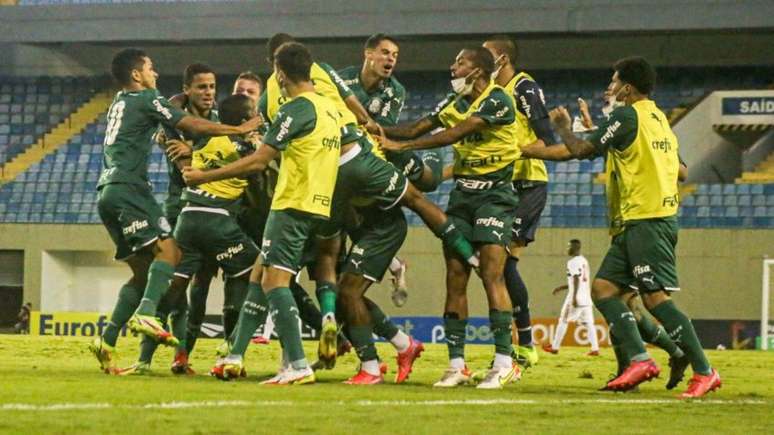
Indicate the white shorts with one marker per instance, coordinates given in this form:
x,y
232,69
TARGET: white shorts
x,y
578,315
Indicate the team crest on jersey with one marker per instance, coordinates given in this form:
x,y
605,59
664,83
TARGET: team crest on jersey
x,y
375,105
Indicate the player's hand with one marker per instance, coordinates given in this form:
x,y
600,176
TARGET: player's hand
x,y
177,149
255,138
556,290
160,137
374,128
560,117
251,124
193,177
583,106
388,144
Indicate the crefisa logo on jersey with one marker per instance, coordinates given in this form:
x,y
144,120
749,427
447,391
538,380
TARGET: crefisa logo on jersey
x,y
491,221
135,226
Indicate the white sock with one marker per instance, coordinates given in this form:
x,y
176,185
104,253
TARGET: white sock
x,y
502,361
371,367
561,329
593,336
395,265
401,341
457,363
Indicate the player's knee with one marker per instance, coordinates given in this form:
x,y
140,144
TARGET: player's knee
x,y
653,299
602,289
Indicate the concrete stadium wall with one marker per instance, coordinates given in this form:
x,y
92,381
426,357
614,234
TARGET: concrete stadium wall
x,y
342,18
69,267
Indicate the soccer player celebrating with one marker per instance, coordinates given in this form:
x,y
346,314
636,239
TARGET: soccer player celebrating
x,y
306,133
642,150
530,180
480,122
577,303
126,206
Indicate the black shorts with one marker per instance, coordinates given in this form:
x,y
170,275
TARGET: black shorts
x,y
532,200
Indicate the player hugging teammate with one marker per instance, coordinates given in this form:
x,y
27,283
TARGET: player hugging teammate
x,y
346,170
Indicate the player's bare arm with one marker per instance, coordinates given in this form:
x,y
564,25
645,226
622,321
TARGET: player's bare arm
x,y
579,148
196,125
255,162
539,150
449,136
179,152
411,130
561,288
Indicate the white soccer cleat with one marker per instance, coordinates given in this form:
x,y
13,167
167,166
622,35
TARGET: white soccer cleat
x,y
454,377
497,377
292,376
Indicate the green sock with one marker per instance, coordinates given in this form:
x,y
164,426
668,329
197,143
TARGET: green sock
x,y
326,295
285,313
680,329
620,358
453,238
147,349
500,323
128,299
196,311
623,325
178,324
382,325
160,275
362,340
235,293
454,329
253,314
307,310
657,336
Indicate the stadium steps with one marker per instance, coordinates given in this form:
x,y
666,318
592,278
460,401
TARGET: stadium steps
x,y
59,135
764,172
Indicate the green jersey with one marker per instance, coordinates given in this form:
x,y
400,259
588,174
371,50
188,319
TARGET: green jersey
x,y
384,103
132,120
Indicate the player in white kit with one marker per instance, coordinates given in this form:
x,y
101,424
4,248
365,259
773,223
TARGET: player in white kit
x,y
577,304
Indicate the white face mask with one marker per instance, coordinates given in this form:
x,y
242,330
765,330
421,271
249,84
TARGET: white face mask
x,y
497,70
460,85
610,105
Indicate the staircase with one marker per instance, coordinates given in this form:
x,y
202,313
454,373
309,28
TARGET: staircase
x,y
764,172
58,136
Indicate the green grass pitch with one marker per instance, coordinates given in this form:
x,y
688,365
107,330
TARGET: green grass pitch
x,y
52,385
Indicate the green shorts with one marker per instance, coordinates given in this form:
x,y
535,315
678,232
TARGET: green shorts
x,y
642,257
486,216
252,221
285,238
132,217
375,242
365,179
206,232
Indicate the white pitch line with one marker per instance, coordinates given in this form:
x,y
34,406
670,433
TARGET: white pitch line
x,y
365,403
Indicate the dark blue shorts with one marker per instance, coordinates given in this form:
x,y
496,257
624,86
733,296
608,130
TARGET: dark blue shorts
x,y
532,200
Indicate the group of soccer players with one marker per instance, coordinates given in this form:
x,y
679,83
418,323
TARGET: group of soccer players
x,y
313,170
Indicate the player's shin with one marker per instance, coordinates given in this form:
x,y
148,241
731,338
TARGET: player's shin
x,y
307,310
235,291
326,296
680,329
623,326
517,291
500,322
198,305
128,299
657,336
453,238
251,316
454,330
383,327
160,274
285,313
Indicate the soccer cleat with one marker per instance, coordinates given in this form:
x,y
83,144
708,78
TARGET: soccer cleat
x,y
151,326
454,377
637,373
677,368
260,340
548,348
700,385
526,356
406,359
399,288
180,365
364,378
137,369
228,368
293,376
327,348
497,377
592,353
106,355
